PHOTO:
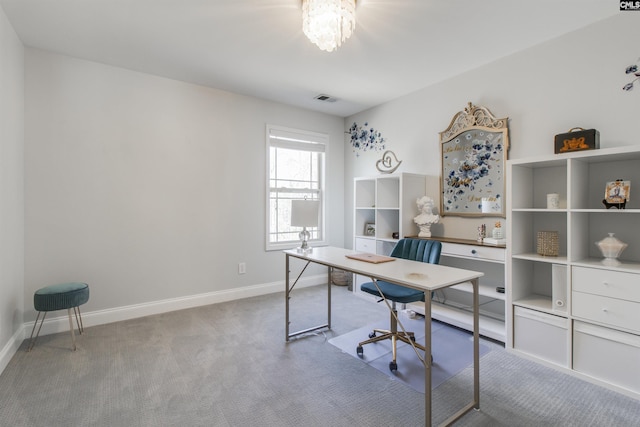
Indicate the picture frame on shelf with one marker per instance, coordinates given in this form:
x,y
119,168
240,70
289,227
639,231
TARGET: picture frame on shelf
x,y
370,229
617,193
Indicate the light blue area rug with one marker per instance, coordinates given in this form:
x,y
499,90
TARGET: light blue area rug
x,y
452,350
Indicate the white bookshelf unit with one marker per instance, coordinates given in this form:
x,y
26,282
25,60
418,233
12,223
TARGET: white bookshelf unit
x,y
389,202
573,311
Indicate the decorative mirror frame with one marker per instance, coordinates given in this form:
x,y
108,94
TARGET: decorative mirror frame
x,y
473,154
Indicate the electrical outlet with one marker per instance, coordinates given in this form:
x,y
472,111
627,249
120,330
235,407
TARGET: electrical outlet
x,y
242,268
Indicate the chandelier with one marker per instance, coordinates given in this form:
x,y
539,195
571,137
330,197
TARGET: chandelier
x,y
328,23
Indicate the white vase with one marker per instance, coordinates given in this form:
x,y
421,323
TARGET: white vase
x,y
611,248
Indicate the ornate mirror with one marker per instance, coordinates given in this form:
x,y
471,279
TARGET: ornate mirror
x,y
473,155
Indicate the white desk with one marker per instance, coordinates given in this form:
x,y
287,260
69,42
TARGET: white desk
x,y
413,274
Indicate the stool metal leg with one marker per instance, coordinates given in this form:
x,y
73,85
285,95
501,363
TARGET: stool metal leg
x,y
32,341
76,311
73,335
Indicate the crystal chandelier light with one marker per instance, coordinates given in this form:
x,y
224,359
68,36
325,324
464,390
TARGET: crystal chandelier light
x,y
328,23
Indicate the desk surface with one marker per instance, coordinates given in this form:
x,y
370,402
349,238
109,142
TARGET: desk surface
x,y
417,275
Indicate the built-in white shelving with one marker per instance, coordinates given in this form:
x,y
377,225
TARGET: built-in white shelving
x,y
587,311
388,202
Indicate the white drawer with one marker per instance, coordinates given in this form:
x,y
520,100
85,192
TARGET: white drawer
x,y
608,283
609,311
473,251
607,354
365,245
542,335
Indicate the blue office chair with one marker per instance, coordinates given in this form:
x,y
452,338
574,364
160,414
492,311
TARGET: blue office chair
x,y
416,250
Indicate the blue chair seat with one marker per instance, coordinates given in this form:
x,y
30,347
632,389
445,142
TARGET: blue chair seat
x,y
393,292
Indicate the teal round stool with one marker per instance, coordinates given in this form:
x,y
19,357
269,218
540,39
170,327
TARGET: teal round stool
x,y
60,297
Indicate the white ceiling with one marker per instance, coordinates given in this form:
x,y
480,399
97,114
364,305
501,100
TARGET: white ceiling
x,y
257,48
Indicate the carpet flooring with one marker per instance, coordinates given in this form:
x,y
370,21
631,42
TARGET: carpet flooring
x,y
228,365
452,350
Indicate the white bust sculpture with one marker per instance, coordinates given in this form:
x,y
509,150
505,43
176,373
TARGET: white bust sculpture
x,y
426,217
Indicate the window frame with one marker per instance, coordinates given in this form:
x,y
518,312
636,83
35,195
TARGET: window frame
x,y
290,138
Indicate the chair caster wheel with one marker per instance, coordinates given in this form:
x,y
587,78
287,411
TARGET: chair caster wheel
x,y
393,366
412,338
359,351
372,334
432,359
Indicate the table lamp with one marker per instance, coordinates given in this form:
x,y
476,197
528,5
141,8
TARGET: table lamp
x,y
304,213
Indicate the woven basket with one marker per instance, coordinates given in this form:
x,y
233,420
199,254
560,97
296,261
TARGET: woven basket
x,y
548,243
341,277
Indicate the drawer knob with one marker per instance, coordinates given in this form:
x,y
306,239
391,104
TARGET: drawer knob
x,y
473,251
605,310
605,283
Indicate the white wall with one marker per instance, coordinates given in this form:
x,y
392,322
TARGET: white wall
x,y
151,189
574,80
11,190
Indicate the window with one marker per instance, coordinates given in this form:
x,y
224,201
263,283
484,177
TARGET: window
x,y
295,167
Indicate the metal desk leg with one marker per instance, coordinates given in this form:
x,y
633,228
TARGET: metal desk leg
x,y
476,344
329,297
427,359
475,403
287,296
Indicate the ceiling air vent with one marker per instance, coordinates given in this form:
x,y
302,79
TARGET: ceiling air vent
x,y
325,98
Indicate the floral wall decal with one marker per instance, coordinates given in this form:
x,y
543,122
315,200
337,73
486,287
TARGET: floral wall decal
x,y
365,138
633,70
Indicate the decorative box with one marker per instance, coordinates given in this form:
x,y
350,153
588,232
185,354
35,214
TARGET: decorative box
x,y
548,243
577,139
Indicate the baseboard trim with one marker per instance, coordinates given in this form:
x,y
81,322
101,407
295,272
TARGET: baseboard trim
x,y
60,323
11,348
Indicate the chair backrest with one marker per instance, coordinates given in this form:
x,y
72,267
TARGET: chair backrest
x,y
418,250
